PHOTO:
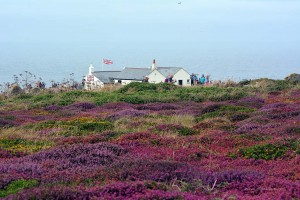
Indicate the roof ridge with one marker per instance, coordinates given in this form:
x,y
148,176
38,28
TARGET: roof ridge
x,y
136,68
106,71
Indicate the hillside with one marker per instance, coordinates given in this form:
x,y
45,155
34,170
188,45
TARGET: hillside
x,y
146,141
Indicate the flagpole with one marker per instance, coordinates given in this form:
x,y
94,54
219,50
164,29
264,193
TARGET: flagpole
x,y
102,63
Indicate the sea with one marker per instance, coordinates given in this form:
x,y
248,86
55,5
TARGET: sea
x,y
63,62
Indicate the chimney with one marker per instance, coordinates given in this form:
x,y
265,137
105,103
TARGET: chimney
x,y
153,67
91,69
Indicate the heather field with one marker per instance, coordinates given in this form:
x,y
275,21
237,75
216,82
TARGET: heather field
x,y
145,141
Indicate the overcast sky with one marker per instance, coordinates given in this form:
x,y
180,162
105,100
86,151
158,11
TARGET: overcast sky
x,y
149,21
208,33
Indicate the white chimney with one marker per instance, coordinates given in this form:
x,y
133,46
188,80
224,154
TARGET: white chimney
x,y
153,67
91,69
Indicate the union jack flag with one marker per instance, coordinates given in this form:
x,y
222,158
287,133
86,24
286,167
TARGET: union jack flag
x,y
108,62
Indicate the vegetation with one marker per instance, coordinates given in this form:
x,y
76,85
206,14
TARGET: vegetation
x,y
147,141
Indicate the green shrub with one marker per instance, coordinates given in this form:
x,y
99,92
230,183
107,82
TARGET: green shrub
x,y
270,85
73,94
241,109
185,131
227,94
16,90
16,186
234,113
208,115
134,99
279,86
75,127
166,87
25,96
95,126
104,97
244,82
22,145
148,87
265,152
43,97
137,86
65,102
196,98
293,78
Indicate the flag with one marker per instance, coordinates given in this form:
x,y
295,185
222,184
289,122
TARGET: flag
x,y
108,62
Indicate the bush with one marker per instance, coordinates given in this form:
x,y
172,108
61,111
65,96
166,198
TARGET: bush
x,y
265,152
244,82
17,186
134,99
78,126
185,131
137,86
95,126
21,145
235,113
25,96
293,78
16,90
43,97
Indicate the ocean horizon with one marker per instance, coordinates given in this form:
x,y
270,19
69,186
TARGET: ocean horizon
x,y
60,63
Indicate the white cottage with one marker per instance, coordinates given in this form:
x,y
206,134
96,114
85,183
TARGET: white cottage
x,y
154,74
97,79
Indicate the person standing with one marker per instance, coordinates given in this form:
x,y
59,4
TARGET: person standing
x,y
202,79
207,80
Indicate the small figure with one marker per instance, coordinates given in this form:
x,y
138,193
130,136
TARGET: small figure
x,y
146,79
202,79
207,80
171,78
192,79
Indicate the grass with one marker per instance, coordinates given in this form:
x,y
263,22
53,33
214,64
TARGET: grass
x,y
16,186
78,126
235,113
22,145
135,93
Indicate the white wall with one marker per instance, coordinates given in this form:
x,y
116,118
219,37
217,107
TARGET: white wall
x,y
184,76
156,77
125,82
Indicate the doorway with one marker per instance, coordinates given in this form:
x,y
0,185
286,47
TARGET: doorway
x,y
179,82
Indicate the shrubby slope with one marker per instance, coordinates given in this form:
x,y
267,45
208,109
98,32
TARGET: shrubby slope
x,y
147,141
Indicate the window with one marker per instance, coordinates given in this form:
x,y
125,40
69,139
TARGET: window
x,y
188,81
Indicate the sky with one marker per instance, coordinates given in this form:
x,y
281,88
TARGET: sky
x,y
229,39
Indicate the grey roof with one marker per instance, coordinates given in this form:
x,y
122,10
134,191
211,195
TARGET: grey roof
x,y
106,76
166,71
134,73
130,73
